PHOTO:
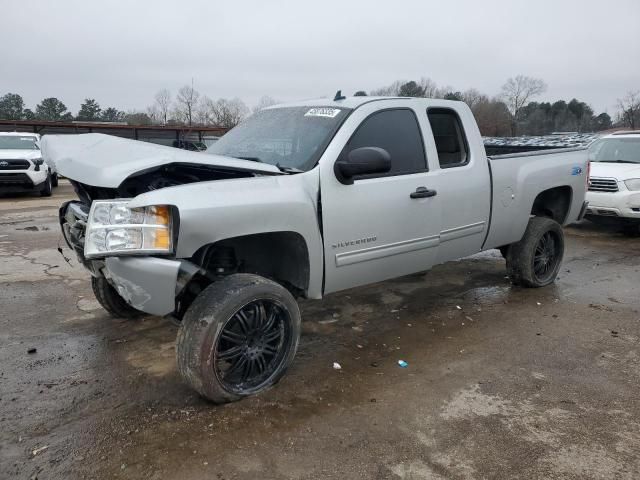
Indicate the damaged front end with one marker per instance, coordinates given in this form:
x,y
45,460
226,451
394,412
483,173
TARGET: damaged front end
x,y
149,283
143,268
73,217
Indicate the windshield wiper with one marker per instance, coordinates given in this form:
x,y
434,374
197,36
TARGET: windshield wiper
x,y
251,159
288,169
280,167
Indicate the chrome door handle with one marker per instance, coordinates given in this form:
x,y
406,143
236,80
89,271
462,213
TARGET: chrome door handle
x,y
423,192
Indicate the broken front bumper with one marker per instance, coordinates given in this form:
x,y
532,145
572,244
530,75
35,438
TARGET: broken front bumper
x,y
148,284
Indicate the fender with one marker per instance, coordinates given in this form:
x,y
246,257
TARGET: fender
x,y
221,209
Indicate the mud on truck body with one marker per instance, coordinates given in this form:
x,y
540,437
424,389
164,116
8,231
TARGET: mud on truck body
x,y
302,200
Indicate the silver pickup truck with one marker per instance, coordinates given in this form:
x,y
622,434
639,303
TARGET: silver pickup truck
x,y
302,200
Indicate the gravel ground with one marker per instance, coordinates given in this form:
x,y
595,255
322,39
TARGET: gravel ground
x,y
502,382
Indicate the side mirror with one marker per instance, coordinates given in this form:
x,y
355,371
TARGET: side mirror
x,y
362,161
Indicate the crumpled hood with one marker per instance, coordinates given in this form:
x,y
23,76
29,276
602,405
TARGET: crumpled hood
x,y
19,154
619,171
106,161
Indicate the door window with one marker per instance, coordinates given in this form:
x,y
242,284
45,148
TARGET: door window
x,y
449,137
398,132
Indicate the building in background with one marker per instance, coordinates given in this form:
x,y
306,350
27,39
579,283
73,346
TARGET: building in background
x,y
190,138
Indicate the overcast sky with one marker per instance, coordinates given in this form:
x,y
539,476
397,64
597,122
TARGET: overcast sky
x,y
122,52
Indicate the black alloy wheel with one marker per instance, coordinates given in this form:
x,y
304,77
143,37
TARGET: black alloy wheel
x,y
546,258
252,346
535,260
238,337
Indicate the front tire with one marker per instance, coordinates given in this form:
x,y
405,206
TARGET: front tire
x,y
54,180
535,260
238,337
111,300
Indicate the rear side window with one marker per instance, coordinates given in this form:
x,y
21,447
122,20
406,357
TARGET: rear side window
x,y
449,136
398,132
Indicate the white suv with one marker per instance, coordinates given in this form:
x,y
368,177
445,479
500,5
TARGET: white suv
x,y
22,167
614,182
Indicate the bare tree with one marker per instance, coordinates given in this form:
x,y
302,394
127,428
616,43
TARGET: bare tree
x,y
630,109
204,112
154,114
186,102
492,116
429,87
228,113
392,90
163,104
425,87
264,102
517,92
473,97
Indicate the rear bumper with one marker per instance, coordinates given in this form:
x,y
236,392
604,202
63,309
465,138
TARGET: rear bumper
x,y
624,204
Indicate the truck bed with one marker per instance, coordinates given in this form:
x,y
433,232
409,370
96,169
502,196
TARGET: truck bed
x,y
531,152
518,178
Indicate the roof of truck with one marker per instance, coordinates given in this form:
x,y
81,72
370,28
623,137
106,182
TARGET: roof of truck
x,y
355,102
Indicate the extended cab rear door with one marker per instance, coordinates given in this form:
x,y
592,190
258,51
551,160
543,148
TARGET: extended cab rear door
x,y
378,228
461,171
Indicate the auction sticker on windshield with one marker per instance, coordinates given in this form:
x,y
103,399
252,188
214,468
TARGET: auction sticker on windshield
x,y
323,112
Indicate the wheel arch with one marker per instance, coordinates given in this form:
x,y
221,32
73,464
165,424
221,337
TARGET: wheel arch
x,y
553,203
281,255
272,207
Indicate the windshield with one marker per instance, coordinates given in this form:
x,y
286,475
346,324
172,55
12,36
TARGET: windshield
x,y
15,142
288,137
615,150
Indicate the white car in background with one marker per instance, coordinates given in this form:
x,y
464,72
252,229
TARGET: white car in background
x,y
614,182
22,168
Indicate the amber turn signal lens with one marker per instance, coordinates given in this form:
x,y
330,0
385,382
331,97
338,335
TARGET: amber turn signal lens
x,y
158,215
161,239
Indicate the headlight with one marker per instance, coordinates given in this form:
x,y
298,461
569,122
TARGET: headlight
x,y
37,162
633,184
115,229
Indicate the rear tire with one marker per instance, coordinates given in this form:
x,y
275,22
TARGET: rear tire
x,y
238,337
46,189
54,180
535,260
111,300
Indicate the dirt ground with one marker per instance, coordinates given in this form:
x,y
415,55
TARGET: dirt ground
x,y
502,382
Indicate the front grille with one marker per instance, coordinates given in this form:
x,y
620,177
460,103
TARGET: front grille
x,y
15,179
14,164
73,220
597,184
